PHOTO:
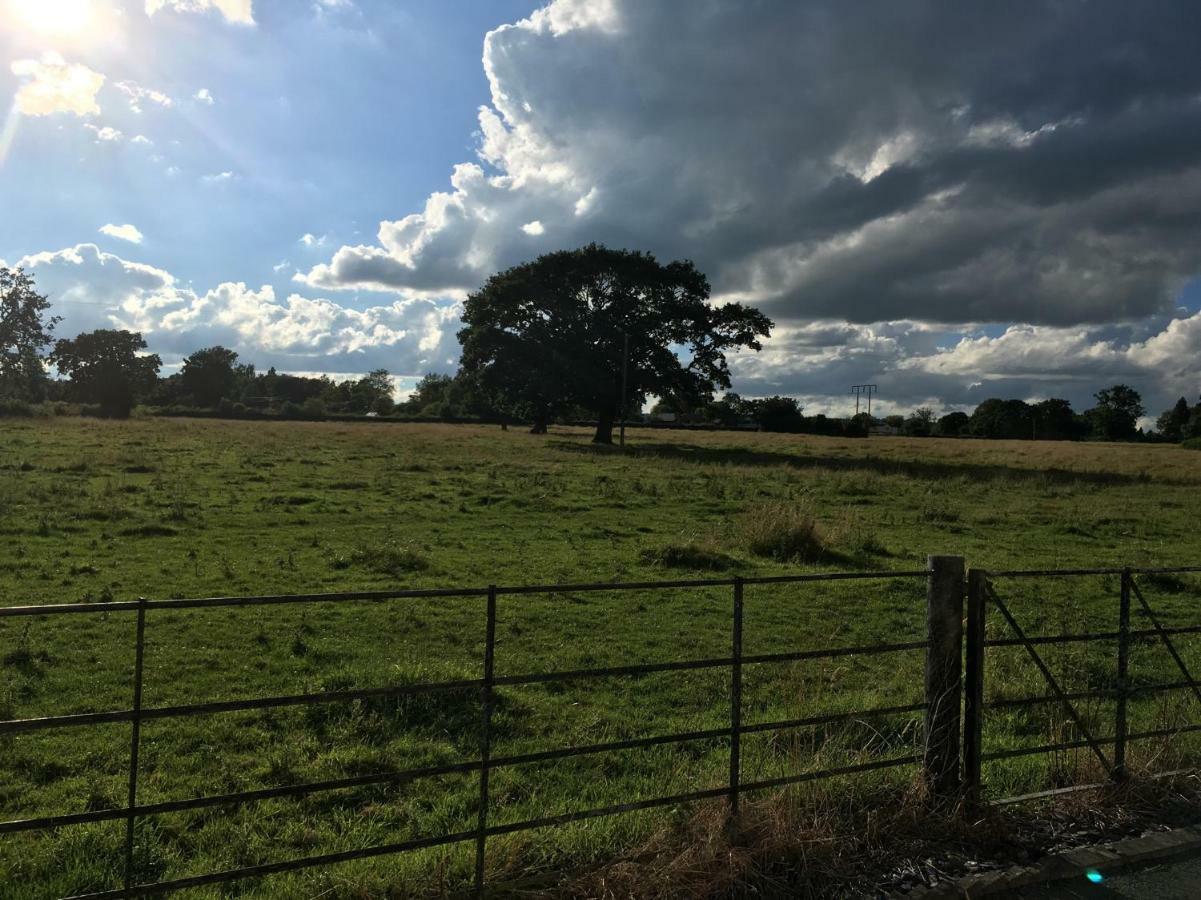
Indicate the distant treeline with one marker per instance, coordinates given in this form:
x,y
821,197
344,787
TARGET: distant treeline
x,y
108,372
1114,418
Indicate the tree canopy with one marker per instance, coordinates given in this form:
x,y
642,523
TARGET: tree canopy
x,y
552,333
1116,415
107,367
211,374
25,333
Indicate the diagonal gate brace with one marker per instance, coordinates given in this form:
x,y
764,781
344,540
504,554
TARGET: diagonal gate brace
x,y
1167,640
1055,688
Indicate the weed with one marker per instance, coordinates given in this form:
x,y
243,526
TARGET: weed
x,y
389,557
785,532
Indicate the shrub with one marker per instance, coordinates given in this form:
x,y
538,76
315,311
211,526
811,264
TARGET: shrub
x,y
314,408
15,408
786,532
1192,444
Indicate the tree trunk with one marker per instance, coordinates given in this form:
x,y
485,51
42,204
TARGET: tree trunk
x,y
540,423
604,427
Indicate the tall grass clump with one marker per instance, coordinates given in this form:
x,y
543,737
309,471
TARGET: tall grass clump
x,y
692,554
785,532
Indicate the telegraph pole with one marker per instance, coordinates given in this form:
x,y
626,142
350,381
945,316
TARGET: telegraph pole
x,y
863,390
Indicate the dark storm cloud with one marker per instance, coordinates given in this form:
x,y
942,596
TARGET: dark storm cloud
x,y
938,161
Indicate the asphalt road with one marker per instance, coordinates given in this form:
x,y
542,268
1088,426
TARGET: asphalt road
x,y
1177,879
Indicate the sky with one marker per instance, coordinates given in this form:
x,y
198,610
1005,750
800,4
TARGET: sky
x,y
948,200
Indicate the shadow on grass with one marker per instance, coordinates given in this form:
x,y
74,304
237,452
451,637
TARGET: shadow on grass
x,y
924,469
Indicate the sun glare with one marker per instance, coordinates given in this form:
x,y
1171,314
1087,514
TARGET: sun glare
x,y
65,18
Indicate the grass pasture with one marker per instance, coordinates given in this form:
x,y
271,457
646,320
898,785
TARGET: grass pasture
x,y
94,510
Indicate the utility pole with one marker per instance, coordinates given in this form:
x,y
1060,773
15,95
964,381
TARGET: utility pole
x,y
625,366
863,390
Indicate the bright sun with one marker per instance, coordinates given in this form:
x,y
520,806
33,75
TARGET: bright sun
x,y
67,18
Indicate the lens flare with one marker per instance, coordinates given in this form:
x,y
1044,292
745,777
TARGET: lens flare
x,y
8,131
1094,876
65,18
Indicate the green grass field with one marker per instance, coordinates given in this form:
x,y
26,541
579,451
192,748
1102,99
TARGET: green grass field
x,y
94,511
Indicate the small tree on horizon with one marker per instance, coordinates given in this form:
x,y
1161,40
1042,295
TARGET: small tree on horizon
x,y
107,367
1172,423
777,413
1116,415
211,375
920,423
953,424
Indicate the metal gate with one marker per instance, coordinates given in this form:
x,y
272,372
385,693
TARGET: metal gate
x,y
1108,749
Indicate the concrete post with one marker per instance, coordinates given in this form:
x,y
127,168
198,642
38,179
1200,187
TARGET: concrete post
x,y
944,626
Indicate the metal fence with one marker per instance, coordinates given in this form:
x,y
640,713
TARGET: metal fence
x,y
940,757
948,646
982,595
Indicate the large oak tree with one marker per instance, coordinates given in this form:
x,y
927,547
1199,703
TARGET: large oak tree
x,y
549,335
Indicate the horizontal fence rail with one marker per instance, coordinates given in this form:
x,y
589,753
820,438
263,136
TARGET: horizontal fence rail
x,y
982,595
51,609
485,687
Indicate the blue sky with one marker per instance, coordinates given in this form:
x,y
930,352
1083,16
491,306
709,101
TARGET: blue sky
x,y
943,199
328,121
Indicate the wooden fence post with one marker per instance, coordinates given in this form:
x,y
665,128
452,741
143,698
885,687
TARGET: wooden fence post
x,y
973,683
944,626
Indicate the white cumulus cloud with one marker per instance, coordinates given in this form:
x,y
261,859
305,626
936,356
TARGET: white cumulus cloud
x,y
106,133
94,289
137,94
240,11
122,232
52,85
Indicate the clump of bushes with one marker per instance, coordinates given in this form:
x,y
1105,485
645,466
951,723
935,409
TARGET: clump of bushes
x,y
15,408
1192,444
785,532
